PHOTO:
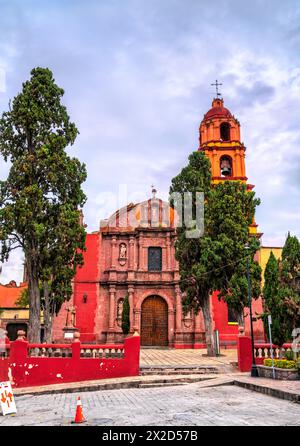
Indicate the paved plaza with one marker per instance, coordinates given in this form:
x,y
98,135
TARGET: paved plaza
x,y
208,400
188,405
160,356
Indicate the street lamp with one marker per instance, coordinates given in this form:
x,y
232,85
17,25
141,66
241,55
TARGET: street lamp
x,y
254,371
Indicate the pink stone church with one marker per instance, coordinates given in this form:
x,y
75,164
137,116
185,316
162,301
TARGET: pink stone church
x,y
133,254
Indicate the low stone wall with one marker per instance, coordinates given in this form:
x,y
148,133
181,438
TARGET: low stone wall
x,y
283,374
29,365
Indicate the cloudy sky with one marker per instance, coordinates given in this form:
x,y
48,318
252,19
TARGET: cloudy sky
x,y
137,77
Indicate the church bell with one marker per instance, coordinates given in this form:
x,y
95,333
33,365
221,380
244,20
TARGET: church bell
x,y
225,168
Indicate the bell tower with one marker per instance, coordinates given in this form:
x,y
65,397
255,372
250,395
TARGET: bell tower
x,y
220,139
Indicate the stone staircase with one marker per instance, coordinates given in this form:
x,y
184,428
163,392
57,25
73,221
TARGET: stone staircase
x,y
168,380
182,370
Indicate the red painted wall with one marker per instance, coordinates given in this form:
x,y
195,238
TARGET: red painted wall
x,y
244,353
85,283
37,371
228,333
3,369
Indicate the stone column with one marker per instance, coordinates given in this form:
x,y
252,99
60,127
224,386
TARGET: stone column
x,y
178,308
168,243
237,164
171,323
137,320
131,252
112,295
113,252
141,254
199,329
215,164
243,164
130,299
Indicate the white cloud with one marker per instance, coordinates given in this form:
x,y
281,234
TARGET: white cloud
x,y
137,78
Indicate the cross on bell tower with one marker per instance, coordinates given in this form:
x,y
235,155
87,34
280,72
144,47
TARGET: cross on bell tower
x,y
217,84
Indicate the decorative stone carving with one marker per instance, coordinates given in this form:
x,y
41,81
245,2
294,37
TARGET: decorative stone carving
x,y
188,319
122,254
119,312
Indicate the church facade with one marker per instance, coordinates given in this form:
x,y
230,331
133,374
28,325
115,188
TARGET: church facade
x,y
132,254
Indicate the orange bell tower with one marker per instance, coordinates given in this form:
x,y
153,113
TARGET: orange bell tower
x,y
220,139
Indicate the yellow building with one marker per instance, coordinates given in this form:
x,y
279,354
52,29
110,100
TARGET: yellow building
x,y
263,255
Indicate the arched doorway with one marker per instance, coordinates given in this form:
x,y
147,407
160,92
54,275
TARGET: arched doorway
x,y
154,323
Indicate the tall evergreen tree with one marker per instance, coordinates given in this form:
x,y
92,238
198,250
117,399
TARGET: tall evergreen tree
x,y
216,261
272,301
290,281
40,200
126,316
282,292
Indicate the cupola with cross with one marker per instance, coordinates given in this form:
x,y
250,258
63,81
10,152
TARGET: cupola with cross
x,y
221,140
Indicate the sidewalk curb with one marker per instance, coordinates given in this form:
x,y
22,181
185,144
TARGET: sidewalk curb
x,y
271,391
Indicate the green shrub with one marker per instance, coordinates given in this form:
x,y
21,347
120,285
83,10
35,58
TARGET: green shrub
x,y
290,364
289,355
281,363
268,362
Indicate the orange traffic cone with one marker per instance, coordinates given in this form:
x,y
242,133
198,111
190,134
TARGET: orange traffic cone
x,y
79,418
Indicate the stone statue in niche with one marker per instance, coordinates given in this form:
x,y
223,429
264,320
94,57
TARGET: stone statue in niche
x,y
71,317
122,254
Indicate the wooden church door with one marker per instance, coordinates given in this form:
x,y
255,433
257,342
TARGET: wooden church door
x,y
154,323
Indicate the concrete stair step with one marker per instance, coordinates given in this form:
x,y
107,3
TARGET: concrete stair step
x,y
169,384
176,380
172,372
178,370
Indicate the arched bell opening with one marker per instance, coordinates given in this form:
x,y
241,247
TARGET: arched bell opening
x,y
226,166
225,131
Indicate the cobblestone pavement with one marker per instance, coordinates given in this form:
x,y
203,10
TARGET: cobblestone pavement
x,y
152,356
189,405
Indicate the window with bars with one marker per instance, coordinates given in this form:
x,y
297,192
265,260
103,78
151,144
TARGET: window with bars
x,y
154,259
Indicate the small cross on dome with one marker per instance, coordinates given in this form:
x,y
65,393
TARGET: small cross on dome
x,y
217,84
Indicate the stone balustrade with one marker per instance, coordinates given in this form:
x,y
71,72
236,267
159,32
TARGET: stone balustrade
x,y
102,351
263,351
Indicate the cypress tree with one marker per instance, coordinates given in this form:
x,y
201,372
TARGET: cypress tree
x,y
126,316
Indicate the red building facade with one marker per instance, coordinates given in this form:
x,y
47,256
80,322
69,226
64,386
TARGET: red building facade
x,y
133,255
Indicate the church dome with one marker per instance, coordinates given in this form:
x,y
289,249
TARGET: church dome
x,y
218,110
